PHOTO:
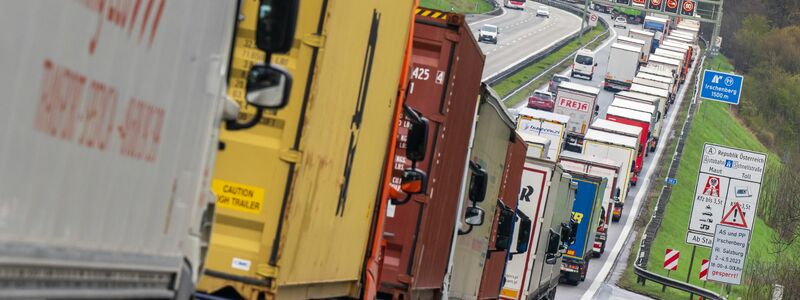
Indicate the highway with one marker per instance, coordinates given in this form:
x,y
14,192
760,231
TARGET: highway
x,y
596,285
522,34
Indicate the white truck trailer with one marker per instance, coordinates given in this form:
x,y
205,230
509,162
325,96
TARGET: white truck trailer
x,y
662,94
545,124
643,53
623,62
660,77
110,133
616,147
579,102
646,36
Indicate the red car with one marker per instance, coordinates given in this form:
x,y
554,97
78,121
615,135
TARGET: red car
x,y
542,100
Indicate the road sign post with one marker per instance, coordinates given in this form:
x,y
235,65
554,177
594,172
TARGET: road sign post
x,y
722,87
593,20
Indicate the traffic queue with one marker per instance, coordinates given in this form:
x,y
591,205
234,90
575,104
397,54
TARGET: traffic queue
x,y
356,154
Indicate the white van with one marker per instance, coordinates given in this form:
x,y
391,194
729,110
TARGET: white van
x,y
583,64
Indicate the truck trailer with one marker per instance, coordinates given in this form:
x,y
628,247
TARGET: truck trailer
x,y
586,211
548,125
623,62
579,102
446,64
644,53
638,119
646,36
619,148
303,192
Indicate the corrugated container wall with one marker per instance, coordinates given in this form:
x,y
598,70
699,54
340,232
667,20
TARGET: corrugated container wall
x,y
311,172
446,68
509,192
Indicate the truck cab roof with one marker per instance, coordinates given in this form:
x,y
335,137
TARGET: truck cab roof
x,y
545,115
626,47
637,106
649,90
629,114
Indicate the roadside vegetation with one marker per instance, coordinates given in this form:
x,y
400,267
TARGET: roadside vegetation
x,y
458,6
505,87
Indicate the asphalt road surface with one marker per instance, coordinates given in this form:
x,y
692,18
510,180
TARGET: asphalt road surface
x,y
596,286
522,34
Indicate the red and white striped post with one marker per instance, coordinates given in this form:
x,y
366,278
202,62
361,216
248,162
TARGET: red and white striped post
x,y
704,270
670,263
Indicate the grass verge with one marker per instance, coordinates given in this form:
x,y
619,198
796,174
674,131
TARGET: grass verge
x,y
506,86
713,123
458,6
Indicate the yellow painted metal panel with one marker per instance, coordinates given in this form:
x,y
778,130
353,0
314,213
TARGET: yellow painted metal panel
x,y
322,155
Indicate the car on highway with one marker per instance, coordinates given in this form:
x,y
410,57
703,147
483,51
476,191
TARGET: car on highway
x,y
555,81
542,100
620,22
543,11
488,33
583,64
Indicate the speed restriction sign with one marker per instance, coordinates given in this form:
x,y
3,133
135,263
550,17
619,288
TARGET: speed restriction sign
x,y
593,20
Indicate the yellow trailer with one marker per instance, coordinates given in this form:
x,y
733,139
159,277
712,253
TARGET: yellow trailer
x,y
297,194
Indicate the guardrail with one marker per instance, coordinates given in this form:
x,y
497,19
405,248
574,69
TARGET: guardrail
x,y
544,52
640,265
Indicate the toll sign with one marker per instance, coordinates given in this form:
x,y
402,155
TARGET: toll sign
x,y
236,196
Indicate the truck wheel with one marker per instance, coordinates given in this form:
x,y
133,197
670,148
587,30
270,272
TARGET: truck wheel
x,y
596,254
185,284
552,294
584,270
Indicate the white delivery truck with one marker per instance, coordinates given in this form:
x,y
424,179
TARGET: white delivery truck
x,y
682,47
583,64
646,36
687,57
110,133
656,84
659,71
643,53
684,33
672,65
673,89
646,99
616,147
545,124
599,167
623,62
662,94
579,102
676,55
548,194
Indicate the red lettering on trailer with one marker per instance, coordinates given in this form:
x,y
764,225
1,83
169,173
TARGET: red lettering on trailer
x,y
574,104
117,12
62,112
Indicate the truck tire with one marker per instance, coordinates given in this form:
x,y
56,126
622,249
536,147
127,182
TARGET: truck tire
x,y
584,271
185,283
552,294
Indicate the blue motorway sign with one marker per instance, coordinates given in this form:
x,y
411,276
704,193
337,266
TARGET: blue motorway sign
x,y
722,87
671,181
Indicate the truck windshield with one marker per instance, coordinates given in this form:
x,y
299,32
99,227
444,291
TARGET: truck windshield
x,y
489,29
584,60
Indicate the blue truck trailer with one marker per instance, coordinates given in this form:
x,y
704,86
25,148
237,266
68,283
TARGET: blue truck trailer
x,y
586,211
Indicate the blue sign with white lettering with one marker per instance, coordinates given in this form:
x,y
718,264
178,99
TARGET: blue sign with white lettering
x,y
722,87
671,181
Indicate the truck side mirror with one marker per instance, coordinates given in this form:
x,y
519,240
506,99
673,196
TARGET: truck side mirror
x,y
417,139
505,229
553,243
596,109
414,181
268,86
524,234
478,182
618,192
474,216
276,24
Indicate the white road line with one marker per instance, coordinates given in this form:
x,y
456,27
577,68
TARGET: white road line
x,y
623,237
492,18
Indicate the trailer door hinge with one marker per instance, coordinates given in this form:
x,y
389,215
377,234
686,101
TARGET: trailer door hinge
x,y
267,271
291,156
314,40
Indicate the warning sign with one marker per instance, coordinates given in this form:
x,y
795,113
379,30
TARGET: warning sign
x,y
735,216
237,196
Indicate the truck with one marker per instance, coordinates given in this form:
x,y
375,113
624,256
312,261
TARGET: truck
x,y
548,125
646,99
586,211
533,269
662,94
659,27
619,148
641,80
646,36
105,176
446,64
666,63
495,264
579,102
299,195
488,151
644,52
676,55
684,53
538,147
656,122
623,62
656,75
608,169
638,119
683,47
